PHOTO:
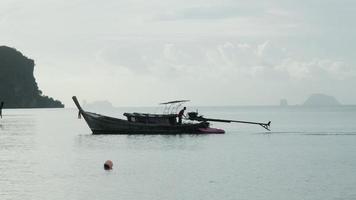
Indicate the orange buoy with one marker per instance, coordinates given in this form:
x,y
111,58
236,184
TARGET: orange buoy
x,y
108,165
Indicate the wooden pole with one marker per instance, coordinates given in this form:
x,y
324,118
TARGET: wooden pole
x,y
78,106
1,106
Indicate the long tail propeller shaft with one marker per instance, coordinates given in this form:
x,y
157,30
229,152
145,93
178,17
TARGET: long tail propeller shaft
x,y
264,125
194,116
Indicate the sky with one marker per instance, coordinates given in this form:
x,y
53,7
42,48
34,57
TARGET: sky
x,y
213,52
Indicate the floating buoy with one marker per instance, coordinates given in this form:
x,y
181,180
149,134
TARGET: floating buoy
x,y
108,165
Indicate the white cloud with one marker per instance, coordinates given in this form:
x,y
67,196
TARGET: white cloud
x,y
261,48
187,57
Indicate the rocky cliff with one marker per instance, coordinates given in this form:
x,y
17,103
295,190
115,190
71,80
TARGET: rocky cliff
x,y
18,87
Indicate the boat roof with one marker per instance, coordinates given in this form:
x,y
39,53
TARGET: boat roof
x,y
149,115
173,102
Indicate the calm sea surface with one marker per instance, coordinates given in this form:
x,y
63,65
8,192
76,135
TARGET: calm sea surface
x,y
309,154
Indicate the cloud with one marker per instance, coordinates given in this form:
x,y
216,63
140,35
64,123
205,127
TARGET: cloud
x,y
317,69
189,58
207,12
213,44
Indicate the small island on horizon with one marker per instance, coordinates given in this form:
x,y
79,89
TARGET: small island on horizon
x,y
18,87
319,99
316,99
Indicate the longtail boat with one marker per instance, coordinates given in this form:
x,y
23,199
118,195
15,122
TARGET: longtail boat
x,y
146,123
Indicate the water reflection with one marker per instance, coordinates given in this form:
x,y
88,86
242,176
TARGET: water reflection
x,y
142,142
17,146
17,132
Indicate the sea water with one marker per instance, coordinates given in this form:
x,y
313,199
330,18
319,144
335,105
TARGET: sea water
x,y
310,153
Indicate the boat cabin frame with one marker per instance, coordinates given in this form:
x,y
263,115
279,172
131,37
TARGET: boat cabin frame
x,y
171,107
169,116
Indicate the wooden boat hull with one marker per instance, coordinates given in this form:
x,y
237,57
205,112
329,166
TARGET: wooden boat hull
x,y
100,124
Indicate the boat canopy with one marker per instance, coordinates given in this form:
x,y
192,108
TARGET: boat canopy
x,y
174,102
171,107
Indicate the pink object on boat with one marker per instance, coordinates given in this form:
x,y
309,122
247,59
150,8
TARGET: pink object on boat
x,y
211,130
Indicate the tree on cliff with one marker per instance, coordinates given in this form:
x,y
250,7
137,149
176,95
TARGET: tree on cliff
x,y
18,87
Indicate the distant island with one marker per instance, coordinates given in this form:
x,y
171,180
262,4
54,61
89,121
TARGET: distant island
x,y
321,100
283,102
18,87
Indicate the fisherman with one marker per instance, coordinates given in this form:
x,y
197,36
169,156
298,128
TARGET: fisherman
x,y
180,115
1,105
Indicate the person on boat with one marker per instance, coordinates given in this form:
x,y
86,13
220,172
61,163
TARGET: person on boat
x,y
180,115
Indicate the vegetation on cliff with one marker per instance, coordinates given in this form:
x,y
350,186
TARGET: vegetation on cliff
x,y
18,87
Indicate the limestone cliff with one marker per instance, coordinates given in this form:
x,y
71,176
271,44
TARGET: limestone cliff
x,y
18,87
